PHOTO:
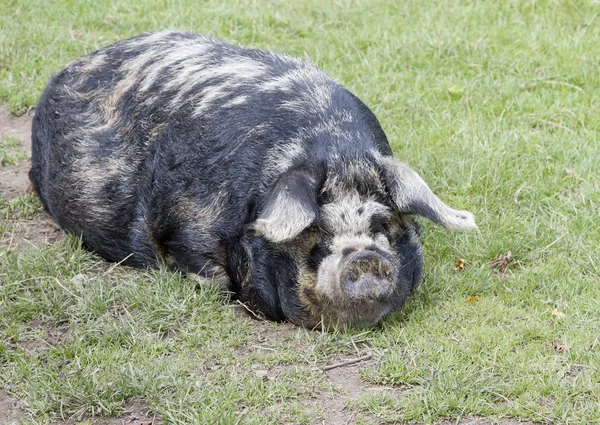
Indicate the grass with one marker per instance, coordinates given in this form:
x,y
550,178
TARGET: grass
x,y
496,104
9,153
79,337
25,207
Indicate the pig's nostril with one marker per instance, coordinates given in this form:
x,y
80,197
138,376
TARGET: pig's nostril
x,y
348,251
367,276
368,286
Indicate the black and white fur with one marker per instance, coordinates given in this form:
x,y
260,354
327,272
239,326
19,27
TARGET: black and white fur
x,y
248,167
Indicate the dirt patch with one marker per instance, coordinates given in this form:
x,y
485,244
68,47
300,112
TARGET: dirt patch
x,y
42,335
267,334
25,233
11,409
345,383
135,412
346,386
18,127
14,180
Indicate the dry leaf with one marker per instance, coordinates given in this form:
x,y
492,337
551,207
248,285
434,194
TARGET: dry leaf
x,y
558,314
76,33
460,264
475,298
502,262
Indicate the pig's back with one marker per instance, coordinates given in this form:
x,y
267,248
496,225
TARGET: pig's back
x,y
140,139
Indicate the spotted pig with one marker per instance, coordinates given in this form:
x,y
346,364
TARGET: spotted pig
x,y
247,167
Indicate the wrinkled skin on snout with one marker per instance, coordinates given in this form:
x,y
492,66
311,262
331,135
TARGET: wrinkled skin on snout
x,y
250,168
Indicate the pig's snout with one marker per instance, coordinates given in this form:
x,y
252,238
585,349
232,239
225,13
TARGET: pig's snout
x,y
367,275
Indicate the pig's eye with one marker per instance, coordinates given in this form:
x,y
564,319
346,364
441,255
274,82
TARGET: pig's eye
x,y
316,256
379,224
325,197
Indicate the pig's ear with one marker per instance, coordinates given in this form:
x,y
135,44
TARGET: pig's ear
x,y
411,195
290,207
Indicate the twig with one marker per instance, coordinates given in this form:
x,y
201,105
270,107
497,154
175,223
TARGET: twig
x,y
256,316
502,262
114,266
350,418
553,124
260,347
474,421
348,362
562,83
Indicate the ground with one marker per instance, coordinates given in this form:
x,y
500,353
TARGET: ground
x,y
342,385
496,104
13,178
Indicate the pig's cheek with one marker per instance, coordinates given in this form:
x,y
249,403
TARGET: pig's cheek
x,y
328,278
382,241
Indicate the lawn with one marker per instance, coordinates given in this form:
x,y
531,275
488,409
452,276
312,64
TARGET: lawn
x,y
495,103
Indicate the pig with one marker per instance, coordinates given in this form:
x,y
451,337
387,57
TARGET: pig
x,y
250,168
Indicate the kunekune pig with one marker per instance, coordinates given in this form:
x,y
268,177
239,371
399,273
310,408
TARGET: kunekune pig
x,y
248,167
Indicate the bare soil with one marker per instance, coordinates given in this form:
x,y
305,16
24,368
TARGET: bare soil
x,y
13,179
135,412
14,182
24,233
346,386
345,383
18,127
11,409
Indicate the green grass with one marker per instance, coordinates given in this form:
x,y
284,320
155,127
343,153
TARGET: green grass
x,y
80,337
25,207
9,153
496,104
